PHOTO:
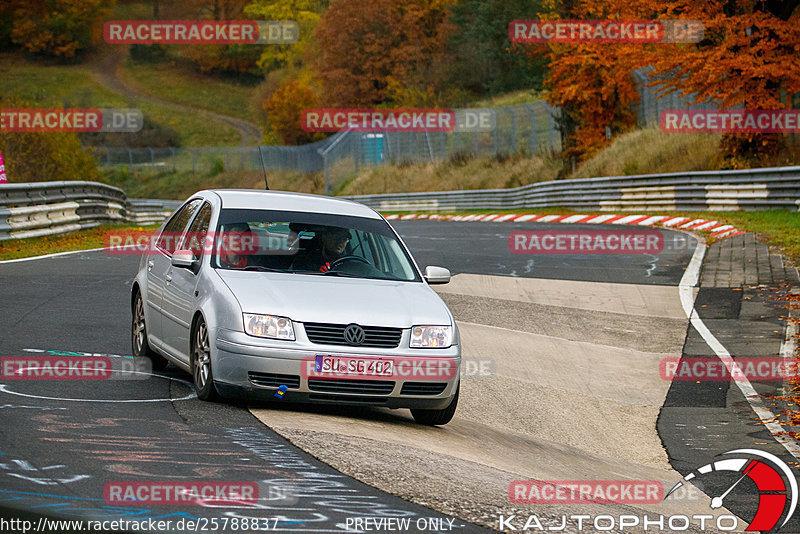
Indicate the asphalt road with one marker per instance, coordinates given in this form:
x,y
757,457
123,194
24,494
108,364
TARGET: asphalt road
x,y
61,443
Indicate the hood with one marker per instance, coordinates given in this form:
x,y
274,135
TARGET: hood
x,y
339,300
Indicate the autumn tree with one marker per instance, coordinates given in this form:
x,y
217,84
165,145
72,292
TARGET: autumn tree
x,y
749,56
371,48
224,58
305,12
59,28
483,59
284,110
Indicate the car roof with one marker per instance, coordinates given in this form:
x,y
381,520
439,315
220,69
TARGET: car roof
x,y
286,201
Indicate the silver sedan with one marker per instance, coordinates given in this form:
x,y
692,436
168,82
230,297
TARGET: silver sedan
x,y
295,298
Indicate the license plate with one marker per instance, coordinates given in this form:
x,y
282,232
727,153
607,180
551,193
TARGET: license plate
x,y
349,366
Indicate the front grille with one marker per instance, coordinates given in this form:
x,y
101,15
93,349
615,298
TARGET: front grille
x,y
272,380
362,387
333,334
423,388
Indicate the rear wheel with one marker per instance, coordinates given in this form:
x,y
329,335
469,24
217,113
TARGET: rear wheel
x,y
141,348
437,417
201,363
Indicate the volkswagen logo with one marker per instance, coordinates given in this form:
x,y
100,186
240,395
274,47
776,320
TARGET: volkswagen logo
x,y
354,334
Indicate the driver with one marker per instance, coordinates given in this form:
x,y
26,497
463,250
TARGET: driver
x,y
228,255
333,242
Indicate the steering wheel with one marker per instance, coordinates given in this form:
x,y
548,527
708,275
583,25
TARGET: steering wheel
x,y
343,259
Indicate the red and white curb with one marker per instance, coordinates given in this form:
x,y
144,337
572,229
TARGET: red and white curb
x,y
715,228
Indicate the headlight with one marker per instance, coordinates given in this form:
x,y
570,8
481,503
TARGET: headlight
x,y
270,326
431,336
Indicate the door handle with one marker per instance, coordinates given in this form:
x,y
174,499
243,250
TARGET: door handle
x,y
168,278
150,265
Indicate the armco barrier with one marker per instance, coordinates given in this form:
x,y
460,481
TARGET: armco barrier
x,y
46,208
751,189
149,211
34,209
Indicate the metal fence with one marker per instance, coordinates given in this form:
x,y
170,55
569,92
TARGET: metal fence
x,y
653,99
525,128
531,128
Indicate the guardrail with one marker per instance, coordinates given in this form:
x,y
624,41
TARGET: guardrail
x,y
47,208
35,209
751,189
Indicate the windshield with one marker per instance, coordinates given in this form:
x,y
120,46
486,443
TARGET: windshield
x,y
311,244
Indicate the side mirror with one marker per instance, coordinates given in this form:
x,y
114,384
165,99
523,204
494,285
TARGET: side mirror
x,y
183,258
437,275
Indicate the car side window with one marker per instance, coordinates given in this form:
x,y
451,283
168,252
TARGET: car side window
x,y
196,235
168,241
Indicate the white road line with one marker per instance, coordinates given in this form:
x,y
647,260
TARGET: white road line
x,y
788,348
55,254
686,286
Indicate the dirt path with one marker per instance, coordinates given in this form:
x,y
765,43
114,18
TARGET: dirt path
x,y
105,71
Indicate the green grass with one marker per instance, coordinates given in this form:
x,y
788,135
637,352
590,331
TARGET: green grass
x,y
652,151
57,85
453,174
180,185
524,96
175,81
193,129
53,85
80,240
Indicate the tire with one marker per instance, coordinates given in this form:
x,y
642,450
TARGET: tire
x,y
202,375
139,345
437,417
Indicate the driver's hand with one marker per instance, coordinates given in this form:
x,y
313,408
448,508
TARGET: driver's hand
x,y
325,267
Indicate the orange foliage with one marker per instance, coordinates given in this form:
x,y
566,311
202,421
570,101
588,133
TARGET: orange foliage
x,y
58,28
284,109
368,45
750,55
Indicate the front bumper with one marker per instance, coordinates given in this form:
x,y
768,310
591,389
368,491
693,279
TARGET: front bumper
x,y
250,367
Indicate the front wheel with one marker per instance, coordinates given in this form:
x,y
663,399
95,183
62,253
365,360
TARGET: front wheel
x,y
437,417
201,364
141,348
